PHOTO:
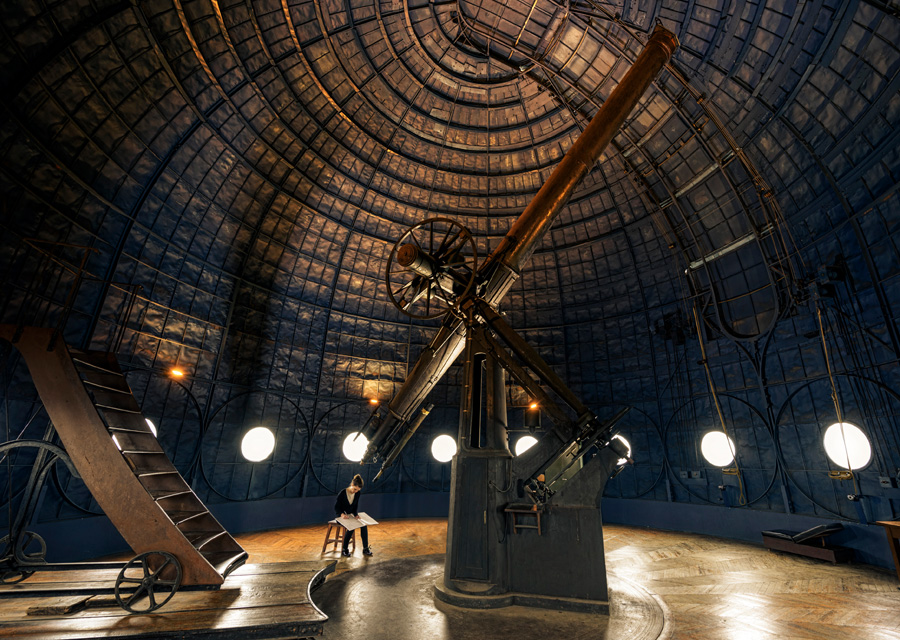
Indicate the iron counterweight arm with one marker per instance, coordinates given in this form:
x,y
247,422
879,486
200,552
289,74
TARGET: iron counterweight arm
x,y
503,266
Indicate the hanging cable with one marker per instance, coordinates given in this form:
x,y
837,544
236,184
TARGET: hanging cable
x,y
868,403
837,406
9,477
742,498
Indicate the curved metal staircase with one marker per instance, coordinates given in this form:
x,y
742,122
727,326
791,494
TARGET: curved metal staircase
x,y
120,460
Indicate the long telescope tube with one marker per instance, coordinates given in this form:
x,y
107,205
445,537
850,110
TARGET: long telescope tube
x,y
505,263
523,237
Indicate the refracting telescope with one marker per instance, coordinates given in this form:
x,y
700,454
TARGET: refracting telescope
x,y
433,270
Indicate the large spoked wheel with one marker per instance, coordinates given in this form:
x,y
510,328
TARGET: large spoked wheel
x,y
148,581
431,268
31,550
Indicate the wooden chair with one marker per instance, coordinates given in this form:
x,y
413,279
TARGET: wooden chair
x,y
335,528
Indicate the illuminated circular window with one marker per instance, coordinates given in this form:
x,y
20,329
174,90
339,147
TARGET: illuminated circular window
x,y
627,446
847,446
443,448
258,444
524,443
151,425
354,447
717,448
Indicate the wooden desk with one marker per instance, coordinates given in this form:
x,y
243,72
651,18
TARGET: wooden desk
x,y
892,530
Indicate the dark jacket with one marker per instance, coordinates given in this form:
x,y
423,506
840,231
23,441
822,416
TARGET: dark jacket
x,y
342,505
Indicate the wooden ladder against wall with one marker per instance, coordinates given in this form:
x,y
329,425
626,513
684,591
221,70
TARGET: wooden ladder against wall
x,y
120,460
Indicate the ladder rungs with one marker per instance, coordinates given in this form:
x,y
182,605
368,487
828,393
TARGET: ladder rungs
x,y
201,538
106,407
146,432
180,517
225,561
106,387
162,494
97,367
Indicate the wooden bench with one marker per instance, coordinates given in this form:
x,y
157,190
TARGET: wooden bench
x,y
809,543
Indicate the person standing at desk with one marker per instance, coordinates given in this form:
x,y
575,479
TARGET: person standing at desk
x,y
347,506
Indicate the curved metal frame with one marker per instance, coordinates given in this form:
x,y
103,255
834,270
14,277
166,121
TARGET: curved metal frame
x,y
300,468
765,429
15,558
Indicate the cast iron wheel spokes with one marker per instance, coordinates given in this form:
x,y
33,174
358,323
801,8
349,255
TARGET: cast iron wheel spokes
x,y
14,560
158,578
431,268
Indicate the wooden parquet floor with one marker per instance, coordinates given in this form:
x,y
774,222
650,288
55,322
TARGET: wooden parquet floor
x,y
714,589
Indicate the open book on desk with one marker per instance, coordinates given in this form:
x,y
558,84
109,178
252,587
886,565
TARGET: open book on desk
x,y
351,523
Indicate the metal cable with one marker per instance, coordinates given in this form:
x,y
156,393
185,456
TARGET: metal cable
x,y
742,498
835,399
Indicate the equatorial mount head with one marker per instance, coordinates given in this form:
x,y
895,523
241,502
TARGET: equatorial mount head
x,y
432,268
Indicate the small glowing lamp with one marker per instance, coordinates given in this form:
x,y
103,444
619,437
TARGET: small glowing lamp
x,y
533,405
717,448
355,446
373,400
524,443
847,446
175,372
258,444
627,444
443,448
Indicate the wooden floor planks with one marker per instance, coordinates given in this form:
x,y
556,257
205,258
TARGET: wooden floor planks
x,y
719,589
714,589
259,601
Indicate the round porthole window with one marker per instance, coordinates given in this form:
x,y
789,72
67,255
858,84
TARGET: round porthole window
x,y
524,443
354,446
258,444
443,448
717,448
847,446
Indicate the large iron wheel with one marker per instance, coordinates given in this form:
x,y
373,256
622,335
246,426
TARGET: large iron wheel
x,y
148,581
431,268
11,570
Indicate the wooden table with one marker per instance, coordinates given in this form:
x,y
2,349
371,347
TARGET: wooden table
x,y
892,530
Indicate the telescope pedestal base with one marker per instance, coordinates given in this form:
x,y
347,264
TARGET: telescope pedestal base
x,y
480,601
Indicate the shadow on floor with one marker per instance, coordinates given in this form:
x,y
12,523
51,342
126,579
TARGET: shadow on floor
x,y
393,600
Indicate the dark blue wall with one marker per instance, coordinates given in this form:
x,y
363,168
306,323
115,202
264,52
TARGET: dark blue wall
x,y
86,538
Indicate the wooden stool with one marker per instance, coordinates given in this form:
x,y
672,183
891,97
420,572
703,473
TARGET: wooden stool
x,y
525,510
339,533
